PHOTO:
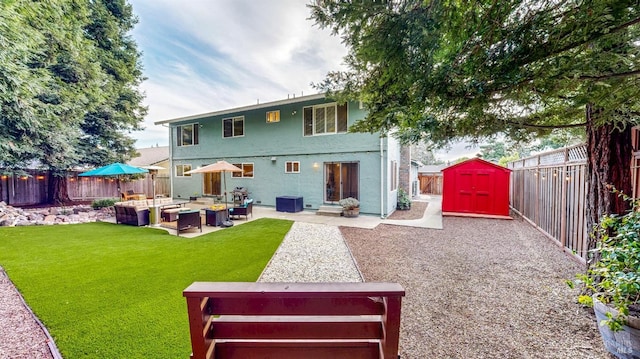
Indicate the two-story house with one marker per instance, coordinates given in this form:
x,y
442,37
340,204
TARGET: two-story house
x,y
294,147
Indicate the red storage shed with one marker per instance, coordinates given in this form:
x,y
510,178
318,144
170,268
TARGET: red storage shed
x,y
476,188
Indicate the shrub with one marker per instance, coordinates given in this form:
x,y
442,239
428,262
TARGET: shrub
x,y
404,201
102,203
349,203
614,276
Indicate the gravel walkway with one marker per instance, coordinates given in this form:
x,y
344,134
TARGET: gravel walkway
x,y
479,288
312,253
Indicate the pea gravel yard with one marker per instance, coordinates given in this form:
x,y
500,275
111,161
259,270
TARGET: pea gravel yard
x,y
480,288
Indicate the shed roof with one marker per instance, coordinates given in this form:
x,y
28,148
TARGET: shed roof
x,y
477,160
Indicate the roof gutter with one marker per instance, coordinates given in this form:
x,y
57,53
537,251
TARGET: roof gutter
x,y
244,108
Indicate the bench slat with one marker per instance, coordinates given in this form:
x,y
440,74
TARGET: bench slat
x,y
240,327
291,290
288,350
296,306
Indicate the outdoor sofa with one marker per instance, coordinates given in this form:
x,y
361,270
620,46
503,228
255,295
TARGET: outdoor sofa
x,y
136,213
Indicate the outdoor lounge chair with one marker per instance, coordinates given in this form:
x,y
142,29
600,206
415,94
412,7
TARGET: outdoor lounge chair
x,y
244,209
133,196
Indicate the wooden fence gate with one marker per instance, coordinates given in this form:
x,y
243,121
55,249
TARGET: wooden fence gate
x,y
430,183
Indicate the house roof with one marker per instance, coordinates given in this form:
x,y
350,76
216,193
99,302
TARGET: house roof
x,y
150,156
244,108
431,168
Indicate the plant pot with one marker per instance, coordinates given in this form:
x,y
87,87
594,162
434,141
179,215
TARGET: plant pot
x,y
350,213
623,344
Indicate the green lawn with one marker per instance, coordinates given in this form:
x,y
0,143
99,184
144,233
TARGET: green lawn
x,y
115,291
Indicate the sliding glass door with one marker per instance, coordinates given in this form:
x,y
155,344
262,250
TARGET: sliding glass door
x,y
341,181
211,185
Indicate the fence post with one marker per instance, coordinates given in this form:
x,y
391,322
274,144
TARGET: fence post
x,y
563,208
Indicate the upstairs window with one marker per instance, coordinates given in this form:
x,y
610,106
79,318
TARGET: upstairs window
x,y
233,127
187,135
273,116
325,119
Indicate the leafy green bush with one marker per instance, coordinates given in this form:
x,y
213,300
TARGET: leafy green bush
x,y
404,201
102,203
614,276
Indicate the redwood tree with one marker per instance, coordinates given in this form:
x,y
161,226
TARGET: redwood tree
x,y
69,76
448,70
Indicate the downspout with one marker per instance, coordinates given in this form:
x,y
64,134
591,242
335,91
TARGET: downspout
x,y
170,161
382,177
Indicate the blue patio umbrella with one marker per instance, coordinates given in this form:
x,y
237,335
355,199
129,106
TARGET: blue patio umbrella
x,y
114,169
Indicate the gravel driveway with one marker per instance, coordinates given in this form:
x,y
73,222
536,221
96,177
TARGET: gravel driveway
x,y
480,288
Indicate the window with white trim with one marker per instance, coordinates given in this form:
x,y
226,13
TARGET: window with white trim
x,y
273,116
187,135
181,169
292,167
233,127
247,170
394,175
325,119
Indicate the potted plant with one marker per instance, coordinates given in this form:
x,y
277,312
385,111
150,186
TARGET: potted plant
x,y
194,197
350,207
611,284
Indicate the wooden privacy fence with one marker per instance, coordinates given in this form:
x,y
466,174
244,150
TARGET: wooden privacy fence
x,y
550,191
32,188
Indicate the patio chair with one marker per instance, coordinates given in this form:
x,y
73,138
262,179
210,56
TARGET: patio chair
x,y
244,209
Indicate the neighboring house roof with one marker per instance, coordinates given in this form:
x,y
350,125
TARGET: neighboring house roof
x,y
245,108
150,156
431,168
416,163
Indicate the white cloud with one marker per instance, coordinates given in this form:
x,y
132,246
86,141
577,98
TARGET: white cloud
x,y
204,56
457,150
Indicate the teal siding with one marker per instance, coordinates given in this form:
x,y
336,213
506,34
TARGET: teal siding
x,y
285,141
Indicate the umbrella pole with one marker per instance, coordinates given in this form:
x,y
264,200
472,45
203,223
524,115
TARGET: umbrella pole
x,y
118,185
226,202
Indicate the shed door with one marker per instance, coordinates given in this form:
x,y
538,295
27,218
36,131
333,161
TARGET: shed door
x,y
474,190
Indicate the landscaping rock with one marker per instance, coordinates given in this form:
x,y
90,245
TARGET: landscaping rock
x,y
12,216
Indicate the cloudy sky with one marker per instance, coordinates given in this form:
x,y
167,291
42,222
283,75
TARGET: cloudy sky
x,y
202,56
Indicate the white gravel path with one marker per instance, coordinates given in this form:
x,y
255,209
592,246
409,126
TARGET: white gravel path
x,y
312,253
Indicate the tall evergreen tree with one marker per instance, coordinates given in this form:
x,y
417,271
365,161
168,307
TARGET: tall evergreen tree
x,y
443,70
69,77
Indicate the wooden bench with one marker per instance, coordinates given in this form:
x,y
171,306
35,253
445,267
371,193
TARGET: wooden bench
x,y
294,320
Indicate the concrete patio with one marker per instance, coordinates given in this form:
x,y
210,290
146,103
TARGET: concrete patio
x,y
432,218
